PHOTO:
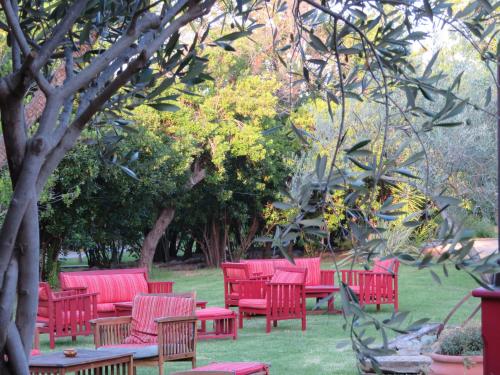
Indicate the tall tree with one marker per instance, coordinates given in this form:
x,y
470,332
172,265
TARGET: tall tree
x,y
139,42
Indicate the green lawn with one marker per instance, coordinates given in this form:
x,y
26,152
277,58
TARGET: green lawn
x,y
287,348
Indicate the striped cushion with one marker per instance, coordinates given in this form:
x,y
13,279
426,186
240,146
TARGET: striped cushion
x,y
282,276
239,368
384,266
254,303
313,266
147,308
111,288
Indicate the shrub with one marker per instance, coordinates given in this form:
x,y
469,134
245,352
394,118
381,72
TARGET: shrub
x,y
461,341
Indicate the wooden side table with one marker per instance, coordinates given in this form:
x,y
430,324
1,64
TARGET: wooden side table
x,y
101,361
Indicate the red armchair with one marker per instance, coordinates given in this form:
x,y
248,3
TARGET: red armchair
x,y
233,273
282,298
376,287
64,314
162,328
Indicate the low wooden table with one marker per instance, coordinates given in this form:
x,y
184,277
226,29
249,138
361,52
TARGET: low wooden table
x,y
101,361
224,323
319,293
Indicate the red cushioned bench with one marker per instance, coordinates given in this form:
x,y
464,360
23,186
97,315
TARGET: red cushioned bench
x,y
113,286
229,368
224,323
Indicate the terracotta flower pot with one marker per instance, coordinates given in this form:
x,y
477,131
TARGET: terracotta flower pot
x,y
454,364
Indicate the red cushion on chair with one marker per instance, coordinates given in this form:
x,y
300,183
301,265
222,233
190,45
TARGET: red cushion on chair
x,y
254,303
282,276
239,368
384,266
105,307
313,266
147,308
320,288
35,352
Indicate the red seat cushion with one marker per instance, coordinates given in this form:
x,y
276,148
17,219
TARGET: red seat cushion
x,y
320,289
105,307
35,352
146,308
239,368
354,288
254,303
213,312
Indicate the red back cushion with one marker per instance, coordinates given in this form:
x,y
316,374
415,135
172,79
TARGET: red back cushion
x,y
146,308
385,266
260,266
111,288
313,266
284,276
236,271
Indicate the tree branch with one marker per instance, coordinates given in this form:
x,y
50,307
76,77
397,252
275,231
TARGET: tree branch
x,y
14,25
58,34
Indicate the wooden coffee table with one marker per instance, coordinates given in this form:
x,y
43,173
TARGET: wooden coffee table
x,y
101,361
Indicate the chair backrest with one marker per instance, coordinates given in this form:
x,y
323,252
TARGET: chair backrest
x,y
112,285
389,266
261,266
146,308
290,275
235,271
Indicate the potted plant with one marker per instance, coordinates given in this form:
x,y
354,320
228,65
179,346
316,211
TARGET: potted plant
x,y
459,351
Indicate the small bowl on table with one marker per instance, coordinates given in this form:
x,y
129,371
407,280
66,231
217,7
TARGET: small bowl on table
x,y
70,353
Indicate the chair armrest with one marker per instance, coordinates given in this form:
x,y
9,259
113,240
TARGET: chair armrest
x,y
176,319
160,286
111,331
327,277
176,337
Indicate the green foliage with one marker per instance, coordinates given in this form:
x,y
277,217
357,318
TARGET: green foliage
x,y
461,341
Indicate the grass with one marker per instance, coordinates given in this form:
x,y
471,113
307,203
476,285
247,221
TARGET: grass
x,y
287,348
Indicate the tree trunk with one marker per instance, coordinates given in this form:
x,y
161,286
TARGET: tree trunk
x,y
164,219
151,241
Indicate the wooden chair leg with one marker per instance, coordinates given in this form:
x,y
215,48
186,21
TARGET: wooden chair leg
x,y
275,323
52,340
268,325
193,362
304,323
378,307
240,320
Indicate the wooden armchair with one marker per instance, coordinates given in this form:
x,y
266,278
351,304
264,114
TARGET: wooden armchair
x,y
162,328
282,298
65,313
376,287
